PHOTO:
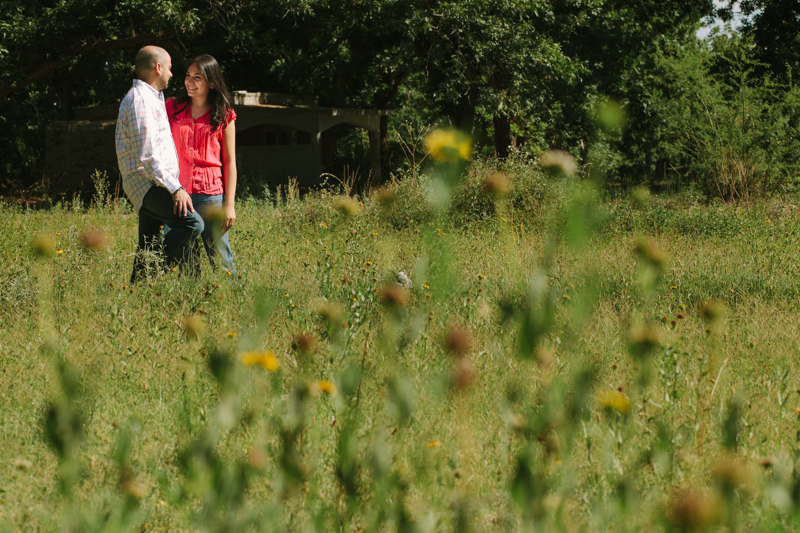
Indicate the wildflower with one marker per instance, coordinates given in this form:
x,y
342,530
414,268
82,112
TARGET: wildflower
x,y
394,296
323,225
424,286
558,163
386,196
462,375
133,489
257,458
457,341
331,312
374,232
614,400
648,251
643,340
304,342
695,509
264,359
640,196
448,145
59,251
231,334
192,325
713,311
733,472
433,444
94,240
22,464
43,245
346,206
497,184
327,387
369,263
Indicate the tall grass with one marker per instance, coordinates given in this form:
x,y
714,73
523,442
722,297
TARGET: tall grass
x,y
559,362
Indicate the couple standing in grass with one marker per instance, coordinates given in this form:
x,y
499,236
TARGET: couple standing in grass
x,y
178,161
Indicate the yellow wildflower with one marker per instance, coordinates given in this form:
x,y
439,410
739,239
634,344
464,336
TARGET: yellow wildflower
x,y
448,145
265,359
615,400
327,387
433,444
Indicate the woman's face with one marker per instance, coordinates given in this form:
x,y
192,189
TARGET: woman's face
x,y
196,83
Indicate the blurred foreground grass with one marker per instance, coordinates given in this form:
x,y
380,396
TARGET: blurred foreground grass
x,y
561,360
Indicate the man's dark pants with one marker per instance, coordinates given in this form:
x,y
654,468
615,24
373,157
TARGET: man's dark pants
x,y
156,212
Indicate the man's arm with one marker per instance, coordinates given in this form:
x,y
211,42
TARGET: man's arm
x,y
156,154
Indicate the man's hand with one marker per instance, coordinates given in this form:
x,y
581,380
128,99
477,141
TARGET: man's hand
x,y
182,203
229,217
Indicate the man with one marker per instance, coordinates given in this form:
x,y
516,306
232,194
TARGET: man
x,y
148,162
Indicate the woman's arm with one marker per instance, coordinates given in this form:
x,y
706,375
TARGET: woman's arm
x,y
229,175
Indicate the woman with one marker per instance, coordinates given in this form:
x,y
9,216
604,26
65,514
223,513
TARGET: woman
x,y
203,128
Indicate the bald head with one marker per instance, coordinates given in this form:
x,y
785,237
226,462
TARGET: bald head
x,y
153,66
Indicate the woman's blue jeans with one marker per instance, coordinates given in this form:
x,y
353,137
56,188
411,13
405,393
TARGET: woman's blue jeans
x,y
215,242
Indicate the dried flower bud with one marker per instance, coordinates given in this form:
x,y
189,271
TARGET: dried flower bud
x,y
644,339
457,341
385,196
192,325
648,251
347,206
558,163
304,342
43,245
497,184
695,509
95,240
394,296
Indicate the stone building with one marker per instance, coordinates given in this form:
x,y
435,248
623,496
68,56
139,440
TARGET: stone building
x,y
278,137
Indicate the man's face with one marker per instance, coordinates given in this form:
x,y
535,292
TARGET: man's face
x,y
166,72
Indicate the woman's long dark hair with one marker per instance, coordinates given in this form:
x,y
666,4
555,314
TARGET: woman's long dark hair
x,y
219,98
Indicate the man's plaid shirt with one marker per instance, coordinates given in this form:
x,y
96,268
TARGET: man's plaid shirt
x,y
145,149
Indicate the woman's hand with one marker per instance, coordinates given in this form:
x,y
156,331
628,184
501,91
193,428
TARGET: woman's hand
x,y
229,217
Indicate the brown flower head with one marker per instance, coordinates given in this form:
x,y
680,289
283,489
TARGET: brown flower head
x,y
457,341
304,342
695,509
394,296
497,184
95,240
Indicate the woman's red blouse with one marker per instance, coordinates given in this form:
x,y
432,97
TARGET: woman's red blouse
x,y
199,150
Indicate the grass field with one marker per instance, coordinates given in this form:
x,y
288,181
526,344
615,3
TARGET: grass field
x,y
576,363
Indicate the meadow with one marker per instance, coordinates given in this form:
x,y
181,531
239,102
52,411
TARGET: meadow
x,y
564,358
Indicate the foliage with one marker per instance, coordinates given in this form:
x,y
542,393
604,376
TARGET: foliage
x,y
719,126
